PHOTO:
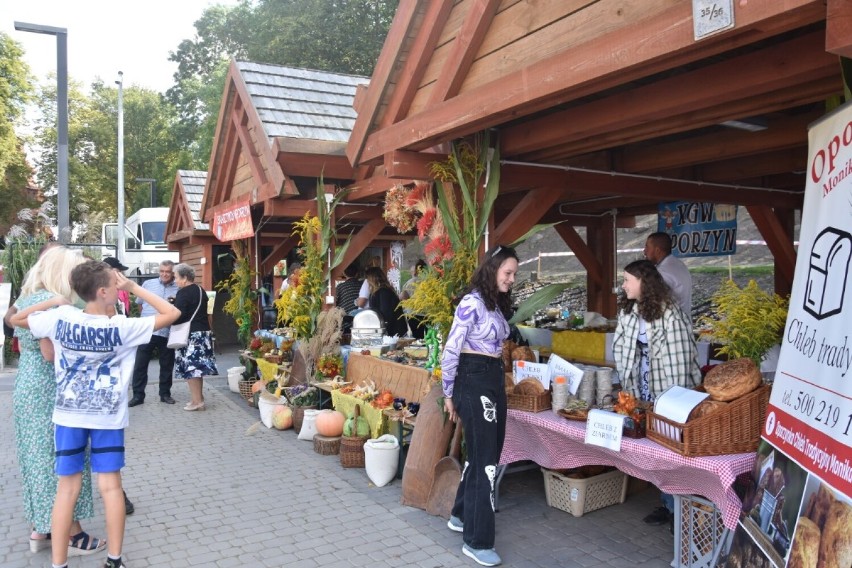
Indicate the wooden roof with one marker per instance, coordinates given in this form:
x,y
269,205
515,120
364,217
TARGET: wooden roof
x,y
184,208
606,105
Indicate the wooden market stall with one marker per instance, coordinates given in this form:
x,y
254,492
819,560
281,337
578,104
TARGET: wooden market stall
x,y
606,108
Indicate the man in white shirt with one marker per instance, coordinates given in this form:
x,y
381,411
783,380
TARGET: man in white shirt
x,y
658,249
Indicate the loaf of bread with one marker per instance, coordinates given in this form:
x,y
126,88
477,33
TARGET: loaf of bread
x,y
819,505
531,387
508,347
805,550
835,545
706,407
732,379
523,353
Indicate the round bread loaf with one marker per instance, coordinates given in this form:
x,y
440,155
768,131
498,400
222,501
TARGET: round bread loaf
x,y
530,387
523,353
835,545
706,407
732,379
805,551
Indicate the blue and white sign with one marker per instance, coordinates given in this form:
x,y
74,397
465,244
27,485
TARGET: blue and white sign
x,y
699,229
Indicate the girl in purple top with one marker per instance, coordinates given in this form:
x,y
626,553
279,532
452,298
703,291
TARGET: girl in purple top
x,y
472,374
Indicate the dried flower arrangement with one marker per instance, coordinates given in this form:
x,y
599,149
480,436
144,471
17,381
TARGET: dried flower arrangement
x,y
397,214
326,340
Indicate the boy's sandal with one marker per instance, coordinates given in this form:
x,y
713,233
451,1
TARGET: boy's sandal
x,y
39,544
82,544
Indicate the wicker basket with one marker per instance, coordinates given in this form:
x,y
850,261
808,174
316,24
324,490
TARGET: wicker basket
x,y
579,496
299,416
352,447
734,429
528,402
245,389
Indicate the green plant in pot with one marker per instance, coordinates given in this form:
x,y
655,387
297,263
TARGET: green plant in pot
x,y
746,322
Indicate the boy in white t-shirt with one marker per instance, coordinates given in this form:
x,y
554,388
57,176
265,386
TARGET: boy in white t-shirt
x,y
94,358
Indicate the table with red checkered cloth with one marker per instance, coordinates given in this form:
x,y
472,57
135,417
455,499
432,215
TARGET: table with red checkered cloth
x,y
557,443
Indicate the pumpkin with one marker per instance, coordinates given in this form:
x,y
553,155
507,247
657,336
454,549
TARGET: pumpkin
x,y
362,429
329,423
282,417
257,386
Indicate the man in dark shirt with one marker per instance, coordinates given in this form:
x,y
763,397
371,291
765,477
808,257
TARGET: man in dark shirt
x,y
347,291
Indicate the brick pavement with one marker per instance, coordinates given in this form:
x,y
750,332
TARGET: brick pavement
x,y
217,489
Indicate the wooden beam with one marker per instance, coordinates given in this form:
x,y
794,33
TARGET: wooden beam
x,y
295,209
417,61
464,50
789,132
654,109
313,165
411,165
363,190
361,240
777,240
278,252
601,239
585,255
393,48
258,172
838,28
606,61
528,212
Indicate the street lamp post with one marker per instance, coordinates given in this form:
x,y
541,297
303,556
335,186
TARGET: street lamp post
x,y
120,189
62,216
153,183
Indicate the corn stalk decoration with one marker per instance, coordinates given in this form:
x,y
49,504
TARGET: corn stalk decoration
x,y
299,307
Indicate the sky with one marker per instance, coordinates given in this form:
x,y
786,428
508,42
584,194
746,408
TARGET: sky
x,y
106,36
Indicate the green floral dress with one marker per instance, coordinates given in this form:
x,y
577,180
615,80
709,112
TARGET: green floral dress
x,y
35,389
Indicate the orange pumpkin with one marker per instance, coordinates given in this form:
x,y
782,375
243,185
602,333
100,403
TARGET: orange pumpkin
x,y
329,423
257,386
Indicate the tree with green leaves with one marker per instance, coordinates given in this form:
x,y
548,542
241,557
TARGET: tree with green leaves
x,y
16,87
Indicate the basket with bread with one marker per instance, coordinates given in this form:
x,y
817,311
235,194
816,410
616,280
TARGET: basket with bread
x,y
529,395
729,421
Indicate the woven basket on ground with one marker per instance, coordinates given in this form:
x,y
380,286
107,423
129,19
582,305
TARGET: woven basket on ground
x,y
245,389
352,447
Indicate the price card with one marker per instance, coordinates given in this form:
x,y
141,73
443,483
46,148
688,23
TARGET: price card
x,y
603,428
559,367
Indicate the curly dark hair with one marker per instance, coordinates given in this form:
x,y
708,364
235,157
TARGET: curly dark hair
x,y
484,280
656,294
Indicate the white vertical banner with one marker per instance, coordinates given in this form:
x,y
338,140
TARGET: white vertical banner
x,y
810,410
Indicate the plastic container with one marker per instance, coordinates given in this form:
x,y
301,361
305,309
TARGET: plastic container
x,y
580,496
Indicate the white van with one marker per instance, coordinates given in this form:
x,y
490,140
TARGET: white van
x,y
144,241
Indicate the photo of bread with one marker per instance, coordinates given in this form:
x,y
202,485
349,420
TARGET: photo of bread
x,y
826,519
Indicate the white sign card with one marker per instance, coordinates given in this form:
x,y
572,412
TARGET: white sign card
x,y
603,428
528,370
559,367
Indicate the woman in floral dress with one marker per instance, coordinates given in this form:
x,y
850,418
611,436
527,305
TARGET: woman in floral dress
x,y
33,397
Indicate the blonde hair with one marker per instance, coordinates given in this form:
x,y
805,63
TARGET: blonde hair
x,y
52,272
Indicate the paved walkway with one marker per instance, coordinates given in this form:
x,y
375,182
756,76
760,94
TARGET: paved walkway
x,y
218,489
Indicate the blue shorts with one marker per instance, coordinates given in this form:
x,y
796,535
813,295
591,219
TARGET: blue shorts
x,y
107,449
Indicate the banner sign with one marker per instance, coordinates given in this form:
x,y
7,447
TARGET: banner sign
x,y
234,221
699,229
800,507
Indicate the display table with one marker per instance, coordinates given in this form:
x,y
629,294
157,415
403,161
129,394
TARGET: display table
x,y
556,443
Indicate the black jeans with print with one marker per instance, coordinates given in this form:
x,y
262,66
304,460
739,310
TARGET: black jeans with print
x,y
479,397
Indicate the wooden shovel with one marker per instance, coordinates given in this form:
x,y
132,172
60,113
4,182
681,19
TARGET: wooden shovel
x,y
445,482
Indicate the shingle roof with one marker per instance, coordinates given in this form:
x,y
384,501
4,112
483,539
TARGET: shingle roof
x,y
302,103
193,187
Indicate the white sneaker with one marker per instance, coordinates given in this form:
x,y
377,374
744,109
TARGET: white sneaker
x,y
484,556
455,524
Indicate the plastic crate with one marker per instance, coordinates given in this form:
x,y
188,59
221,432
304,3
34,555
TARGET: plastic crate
x,y
698,531
579,496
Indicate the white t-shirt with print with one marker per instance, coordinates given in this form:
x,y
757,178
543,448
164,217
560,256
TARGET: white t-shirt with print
x,y
93,361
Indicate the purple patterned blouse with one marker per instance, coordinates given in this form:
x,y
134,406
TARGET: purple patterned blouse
x,y
475,329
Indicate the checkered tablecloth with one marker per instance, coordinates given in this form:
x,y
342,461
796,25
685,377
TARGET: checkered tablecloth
x,y
557,443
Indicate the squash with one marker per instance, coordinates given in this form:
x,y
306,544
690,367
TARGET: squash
x,y
329,423
362,429
282,417
257,386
